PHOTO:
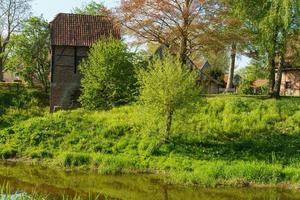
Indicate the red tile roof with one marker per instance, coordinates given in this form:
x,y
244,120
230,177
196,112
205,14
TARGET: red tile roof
x,y
200,64
81,30
260,83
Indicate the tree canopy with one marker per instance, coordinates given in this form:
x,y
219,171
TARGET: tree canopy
x,y
108,76
165,87
183,25
274,23
12,14
30,50
91,8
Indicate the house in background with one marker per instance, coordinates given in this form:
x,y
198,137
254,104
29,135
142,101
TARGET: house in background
x,y
72,36
10,77
236,81
210,85
290,82
258,86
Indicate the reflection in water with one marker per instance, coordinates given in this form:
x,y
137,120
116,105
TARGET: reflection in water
x,y
36,179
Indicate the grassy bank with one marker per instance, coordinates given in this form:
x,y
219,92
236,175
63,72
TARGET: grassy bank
x,y
19,102
223,140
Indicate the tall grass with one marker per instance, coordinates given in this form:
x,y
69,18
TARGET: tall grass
x,y
222,140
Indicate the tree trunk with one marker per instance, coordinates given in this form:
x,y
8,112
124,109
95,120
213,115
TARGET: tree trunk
x,y
272,66
276,92
185,31
168,126
231,68
183,50
1,68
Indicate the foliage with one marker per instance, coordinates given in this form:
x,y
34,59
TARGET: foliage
x,y
30,50
91,8
184,25
165,87
249,75
226,140
108,76
274,23
218,60
12,13
18,103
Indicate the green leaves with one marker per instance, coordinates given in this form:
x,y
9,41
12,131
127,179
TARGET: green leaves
x,y
108,76
91,8
165,87
30,51
166,84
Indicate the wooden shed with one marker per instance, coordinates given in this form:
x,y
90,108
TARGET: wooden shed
x,y
72,36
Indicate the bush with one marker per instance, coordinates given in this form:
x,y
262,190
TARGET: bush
x,y
165,87
8,153
108,76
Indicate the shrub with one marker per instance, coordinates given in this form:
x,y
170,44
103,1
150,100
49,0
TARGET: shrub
x,y
108,76
8,153
165,87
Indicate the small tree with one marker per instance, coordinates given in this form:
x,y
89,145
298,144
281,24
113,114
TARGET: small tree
x,y
30,52
108,76
165,87
12,13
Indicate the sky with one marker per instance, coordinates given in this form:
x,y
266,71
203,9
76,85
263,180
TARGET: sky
x,y
50,8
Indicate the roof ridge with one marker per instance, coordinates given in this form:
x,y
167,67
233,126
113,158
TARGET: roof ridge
x,y
81,30
83,15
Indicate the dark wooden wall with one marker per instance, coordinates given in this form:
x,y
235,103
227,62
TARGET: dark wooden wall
x,y
65,76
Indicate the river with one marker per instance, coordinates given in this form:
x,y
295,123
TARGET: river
x,y
28,179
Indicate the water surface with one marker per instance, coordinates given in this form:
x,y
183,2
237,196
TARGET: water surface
x,y
53,182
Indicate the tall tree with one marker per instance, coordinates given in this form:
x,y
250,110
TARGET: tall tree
x,y
233,34
91,8
30,49
12,13
274,22
183,25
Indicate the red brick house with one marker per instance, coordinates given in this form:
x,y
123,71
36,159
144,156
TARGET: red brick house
x,y
72,36
290,82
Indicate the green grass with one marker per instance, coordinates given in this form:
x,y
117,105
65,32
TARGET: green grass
x,y
18,103
222,140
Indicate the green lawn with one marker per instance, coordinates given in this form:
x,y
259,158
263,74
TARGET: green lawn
x,y
221,140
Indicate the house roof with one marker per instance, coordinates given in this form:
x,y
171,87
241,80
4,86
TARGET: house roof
x,y
81,30
260,83
201,64
226,76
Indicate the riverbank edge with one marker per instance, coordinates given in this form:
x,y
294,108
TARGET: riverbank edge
x,y
165,176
